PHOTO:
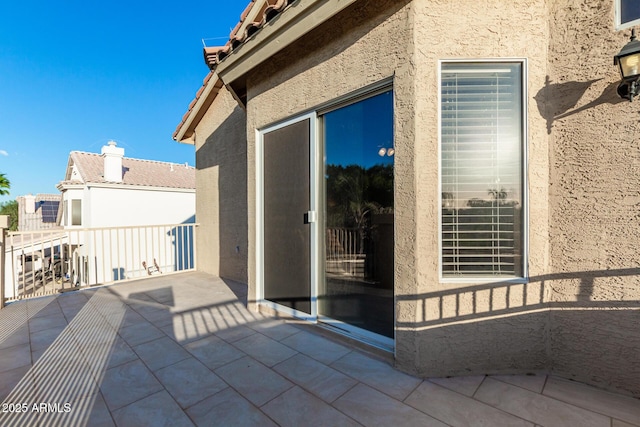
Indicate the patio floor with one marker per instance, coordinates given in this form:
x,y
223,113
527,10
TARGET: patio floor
x,y
183,350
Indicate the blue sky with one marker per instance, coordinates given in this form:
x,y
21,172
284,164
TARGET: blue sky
x,y
356,133
76,74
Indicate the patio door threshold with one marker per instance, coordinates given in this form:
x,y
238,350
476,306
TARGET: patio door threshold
x,y
361,335
273,308
332,326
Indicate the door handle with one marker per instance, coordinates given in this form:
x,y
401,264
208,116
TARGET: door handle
x,y
310,216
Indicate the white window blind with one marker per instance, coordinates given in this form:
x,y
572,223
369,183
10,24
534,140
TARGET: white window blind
x,y
481,169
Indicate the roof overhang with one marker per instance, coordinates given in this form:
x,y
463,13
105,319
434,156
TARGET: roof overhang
x,y
185,132
243,52
69,185
275,35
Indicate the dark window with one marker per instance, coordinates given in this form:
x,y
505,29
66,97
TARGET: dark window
x,y
628,12
76,212
359,215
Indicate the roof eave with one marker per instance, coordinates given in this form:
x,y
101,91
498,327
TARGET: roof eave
x,y
275,35
185,133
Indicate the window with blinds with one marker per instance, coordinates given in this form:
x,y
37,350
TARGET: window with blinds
x,y
482,170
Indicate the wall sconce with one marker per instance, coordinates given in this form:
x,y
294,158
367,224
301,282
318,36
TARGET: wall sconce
x,y
629,61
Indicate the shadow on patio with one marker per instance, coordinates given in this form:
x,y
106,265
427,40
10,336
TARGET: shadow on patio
x,y
183,349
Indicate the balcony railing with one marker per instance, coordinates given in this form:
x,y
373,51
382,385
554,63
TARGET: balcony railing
x,y
48,261
344,252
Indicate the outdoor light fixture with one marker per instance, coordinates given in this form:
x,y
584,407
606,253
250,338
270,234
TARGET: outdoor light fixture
x,y
386,151
629,61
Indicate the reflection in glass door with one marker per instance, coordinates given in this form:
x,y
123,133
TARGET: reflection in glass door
x,y
357,290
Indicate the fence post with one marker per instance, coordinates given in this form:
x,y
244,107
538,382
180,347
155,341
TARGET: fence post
x,y
4,225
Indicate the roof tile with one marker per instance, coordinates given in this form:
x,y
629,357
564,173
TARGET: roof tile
x,y
140,172
269,9
213,55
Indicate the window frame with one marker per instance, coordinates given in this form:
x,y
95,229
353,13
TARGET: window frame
x,y
73,211
618,18
524,170
65,212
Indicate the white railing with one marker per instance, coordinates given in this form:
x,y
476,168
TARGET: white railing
x,y
48,261
344,255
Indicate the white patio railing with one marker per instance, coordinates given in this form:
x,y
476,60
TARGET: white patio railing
x,y
49,261
344,255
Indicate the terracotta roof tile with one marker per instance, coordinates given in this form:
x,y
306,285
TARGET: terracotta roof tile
x,y
148,173
269,9
240,34
246,11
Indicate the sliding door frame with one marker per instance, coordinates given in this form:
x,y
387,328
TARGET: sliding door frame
x,y
313,215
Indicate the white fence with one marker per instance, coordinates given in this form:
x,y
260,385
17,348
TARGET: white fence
x,y
344,255
48,261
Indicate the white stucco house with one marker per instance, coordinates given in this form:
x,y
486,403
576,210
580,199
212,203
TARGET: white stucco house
x,y
130,210
117,218
109,190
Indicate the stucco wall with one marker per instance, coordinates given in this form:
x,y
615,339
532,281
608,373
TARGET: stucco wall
x,y
364,44
475,328
593,280
578,315
483,328
113,207
221,184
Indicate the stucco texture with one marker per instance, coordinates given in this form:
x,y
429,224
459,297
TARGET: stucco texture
x,y
473,328
594,195
577,315
366,43
221,189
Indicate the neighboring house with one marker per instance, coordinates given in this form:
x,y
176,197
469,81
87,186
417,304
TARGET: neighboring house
x,y
116,218
109,190
143,199
455,182
39,212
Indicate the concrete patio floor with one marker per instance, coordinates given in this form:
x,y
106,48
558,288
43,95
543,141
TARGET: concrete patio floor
x,y
182,350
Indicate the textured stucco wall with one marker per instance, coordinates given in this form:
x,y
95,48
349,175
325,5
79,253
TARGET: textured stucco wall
x,y
221,186
578,315
483,327
594,279
364,44
474,328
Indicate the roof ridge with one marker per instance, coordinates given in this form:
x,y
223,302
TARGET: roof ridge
x,y
133,158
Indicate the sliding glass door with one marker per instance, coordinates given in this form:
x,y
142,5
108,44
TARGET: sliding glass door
x,y
357,290
326,217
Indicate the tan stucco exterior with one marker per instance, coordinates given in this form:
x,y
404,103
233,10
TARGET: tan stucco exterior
x,y
221,189
577,315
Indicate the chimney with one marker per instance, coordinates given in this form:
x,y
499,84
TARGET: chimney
x,y
112,162
29,204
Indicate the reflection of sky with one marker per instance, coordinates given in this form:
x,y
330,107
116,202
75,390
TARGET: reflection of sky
x,y
481,131
629,10
356,133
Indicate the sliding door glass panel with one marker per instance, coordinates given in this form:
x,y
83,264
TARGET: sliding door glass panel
x,y
286,203
359,223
